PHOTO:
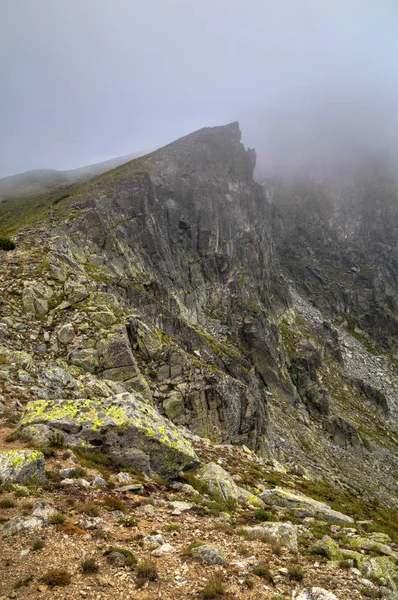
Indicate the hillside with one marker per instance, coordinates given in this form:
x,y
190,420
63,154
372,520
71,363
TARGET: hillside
x,y
173,313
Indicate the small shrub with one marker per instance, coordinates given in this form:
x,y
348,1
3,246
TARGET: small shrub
x,y
79,472
57,519
187,550
146,571
249,583
295,573
198,484
47,451
23,582
38,545
345,564
89,566
57,577
264,515
213,588
371,593
56,440
7,503
6,244
173,527
91,509
129,522
113,503
263,572
128,555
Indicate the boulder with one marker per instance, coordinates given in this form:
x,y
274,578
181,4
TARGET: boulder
x,y
280,533
220,483
35,298
66,334
380,568
327,547
210,555
44,511
303,505
18,524
18,466
74,291
115,424
313,593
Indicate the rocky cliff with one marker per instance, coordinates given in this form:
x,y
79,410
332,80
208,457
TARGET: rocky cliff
x,y
264,318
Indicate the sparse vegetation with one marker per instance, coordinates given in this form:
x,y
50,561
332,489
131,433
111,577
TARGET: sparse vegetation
x,y
295,572
114,503
38,545
57,519
6,244
89,566
173,527
7,503
263,571
57,577
146,571
214,588
91,508
187,550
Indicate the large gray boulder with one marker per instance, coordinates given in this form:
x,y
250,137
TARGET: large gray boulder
x,y
19,466
303,505
280,533
220,483
121,425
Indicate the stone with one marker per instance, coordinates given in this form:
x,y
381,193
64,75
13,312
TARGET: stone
x,y
74,291
87,359
303,505
313,593
35,298
133,488
209,555
66,334
19,466
220,483
18,524
163,549
327,547
121,421
152,540
123,478
282,533
179,507
43,510
99,482
381,568
67,473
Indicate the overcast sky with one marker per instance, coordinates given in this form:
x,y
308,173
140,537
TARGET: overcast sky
x,y
87,80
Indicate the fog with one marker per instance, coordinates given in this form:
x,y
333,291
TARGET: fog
x,y
87,80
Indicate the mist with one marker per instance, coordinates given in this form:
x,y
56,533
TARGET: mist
x,y
88,80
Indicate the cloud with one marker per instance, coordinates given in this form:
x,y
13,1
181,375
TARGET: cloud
x,y
86,80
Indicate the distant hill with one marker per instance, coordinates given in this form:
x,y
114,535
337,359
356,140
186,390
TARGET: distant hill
x,y
41,181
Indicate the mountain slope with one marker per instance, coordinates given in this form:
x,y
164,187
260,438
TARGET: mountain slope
x,y
173,273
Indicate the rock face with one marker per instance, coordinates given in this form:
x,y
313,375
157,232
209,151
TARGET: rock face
x,y
123,426
303,505
19,466
264,319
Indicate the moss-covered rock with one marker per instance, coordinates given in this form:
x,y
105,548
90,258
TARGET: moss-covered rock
x,y
35,298
303,505
220,483
18,466
327,547
280,533
116,424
